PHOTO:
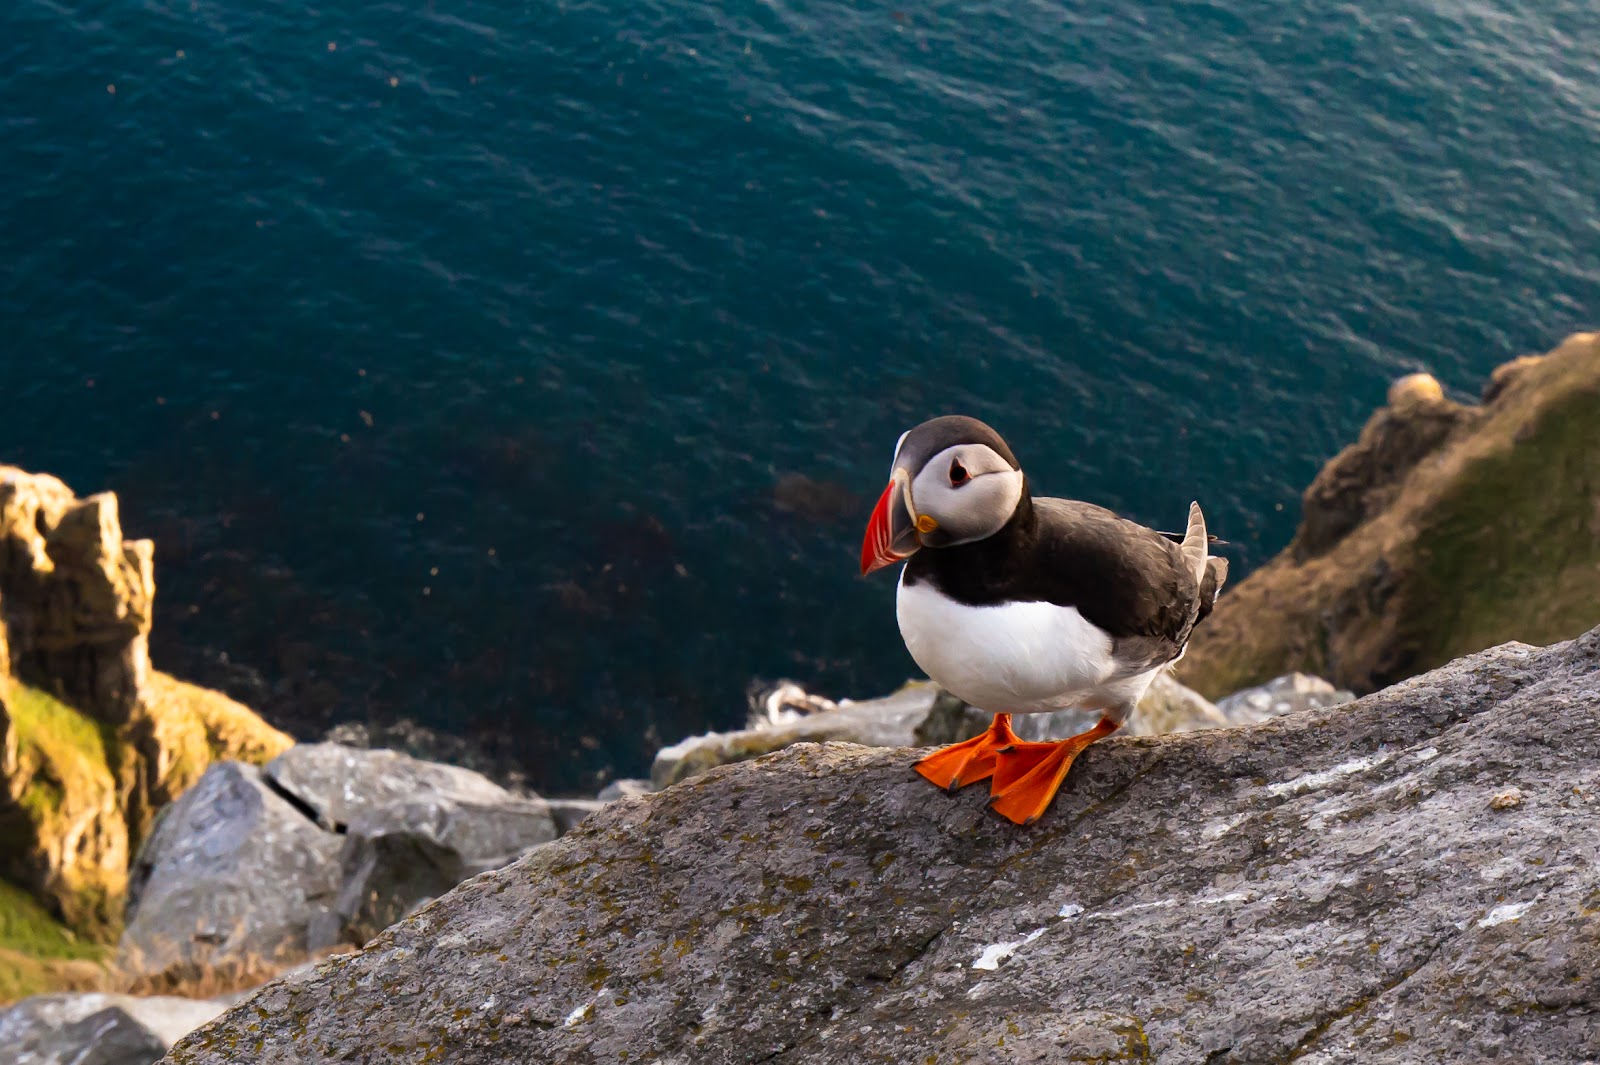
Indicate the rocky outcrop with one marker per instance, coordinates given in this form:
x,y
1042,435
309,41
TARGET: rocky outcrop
x,y
1288,694
98,1029
1409,877
77,596
230,881
92,740
1444,529
251,870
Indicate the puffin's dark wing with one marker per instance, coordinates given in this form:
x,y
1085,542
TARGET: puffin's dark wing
x,y
1124,578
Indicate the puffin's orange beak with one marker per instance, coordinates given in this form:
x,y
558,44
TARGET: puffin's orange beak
x,y
891,536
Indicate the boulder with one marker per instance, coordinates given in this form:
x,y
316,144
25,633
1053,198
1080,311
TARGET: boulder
x,y
251,871
229,881
1287,694
1444,529
1411,877
336,784
98,1029
1166,707
626,788
398,856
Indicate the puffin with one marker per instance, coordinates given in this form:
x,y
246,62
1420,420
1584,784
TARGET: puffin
x,y
1024,604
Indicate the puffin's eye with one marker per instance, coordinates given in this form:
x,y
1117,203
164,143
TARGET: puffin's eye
x,y
958,474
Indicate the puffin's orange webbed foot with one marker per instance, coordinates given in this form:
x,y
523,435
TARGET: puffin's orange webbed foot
x,y
969,761
1028,775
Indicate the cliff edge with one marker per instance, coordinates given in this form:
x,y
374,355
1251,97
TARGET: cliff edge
x,y
1444,529
93,741
1409,877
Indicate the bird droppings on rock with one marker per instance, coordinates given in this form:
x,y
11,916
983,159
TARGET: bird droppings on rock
x,y
1501,914
1322,778
992,955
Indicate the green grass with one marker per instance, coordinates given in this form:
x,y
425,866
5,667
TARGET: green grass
x,y
38,954
67,737
27,928
1513,551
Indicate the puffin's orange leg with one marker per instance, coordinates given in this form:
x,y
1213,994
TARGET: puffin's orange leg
x,y
1024,797
971,760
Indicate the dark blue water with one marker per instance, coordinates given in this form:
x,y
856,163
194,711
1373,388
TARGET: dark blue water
x,y
529,368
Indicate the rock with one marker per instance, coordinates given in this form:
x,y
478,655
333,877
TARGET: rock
x,y
1364,478
431,745
1444,529
888,722
98,1029
251,871
1288,694
63,835
78,597
1327,887
229,882
568,814
92,739
949,720
1167,707
337,784
624,789
398,856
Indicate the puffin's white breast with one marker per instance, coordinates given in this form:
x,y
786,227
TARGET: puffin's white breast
x,y
1010,658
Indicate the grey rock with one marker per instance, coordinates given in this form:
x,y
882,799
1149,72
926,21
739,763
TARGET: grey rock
x,y
888,722
97,1029
399,856
339,783
231,877
1329,887
626,788
1167,707
1287,694
949,720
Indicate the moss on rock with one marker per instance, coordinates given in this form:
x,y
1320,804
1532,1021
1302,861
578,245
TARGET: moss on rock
x,y
1485,533
93,741
39,954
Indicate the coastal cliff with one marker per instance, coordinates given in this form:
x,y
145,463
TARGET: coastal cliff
x,y
1409,877
93,741
1444,529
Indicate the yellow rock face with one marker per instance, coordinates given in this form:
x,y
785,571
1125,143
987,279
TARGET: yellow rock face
x,y
1444,530
92,740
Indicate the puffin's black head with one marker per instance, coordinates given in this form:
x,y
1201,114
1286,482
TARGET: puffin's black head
x,y
953,481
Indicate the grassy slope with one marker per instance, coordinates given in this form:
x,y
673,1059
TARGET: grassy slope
x,y
37,952
1513,553
1495,538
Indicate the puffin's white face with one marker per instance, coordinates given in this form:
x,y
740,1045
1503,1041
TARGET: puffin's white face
x,y
962,494
947,486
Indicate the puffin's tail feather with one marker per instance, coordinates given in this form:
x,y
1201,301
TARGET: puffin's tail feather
x,y
1216,576
1194,544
